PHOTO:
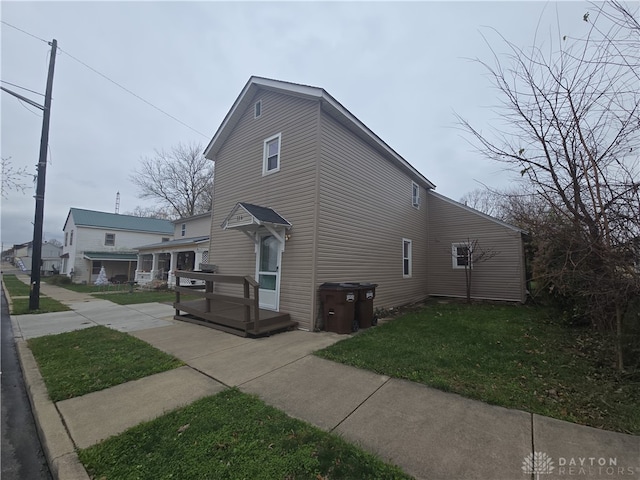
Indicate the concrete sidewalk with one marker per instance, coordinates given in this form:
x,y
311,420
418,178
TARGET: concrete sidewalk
x,y
430,434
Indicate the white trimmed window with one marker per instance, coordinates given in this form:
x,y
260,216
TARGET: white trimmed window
x,y
461,255
71,238
415,194
406,258
66,238
271,156
183,230
109,239
257,109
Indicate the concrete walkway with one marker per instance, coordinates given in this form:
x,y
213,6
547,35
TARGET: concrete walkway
x,y
430,434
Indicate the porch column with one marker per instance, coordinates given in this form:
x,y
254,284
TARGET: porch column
x,y
171,279
154,266
136,276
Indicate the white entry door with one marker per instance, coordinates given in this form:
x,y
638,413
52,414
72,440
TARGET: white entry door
x,y
268,271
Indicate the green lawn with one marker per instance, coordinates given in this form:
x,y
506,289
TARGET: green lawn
x,y
20,306
231,435
15,286
506,355
83,361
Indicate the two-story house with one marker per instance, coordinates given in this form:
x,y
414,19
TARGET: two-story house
x,y
93,240
305,193
188,249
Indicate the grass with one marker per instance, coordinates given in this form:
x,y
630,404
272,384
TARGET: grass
x,y
15,286
84,361
512,356
20,306
231,435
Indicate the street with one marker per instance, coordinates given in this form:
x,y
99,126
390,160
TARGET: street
x,y
22,456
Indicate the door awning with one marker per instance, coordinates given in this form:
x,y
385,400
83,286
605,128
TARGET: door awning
x,y
248,218
245,216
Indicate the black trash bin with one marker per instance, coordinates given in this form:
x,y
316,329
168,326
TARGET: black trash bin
x,y
364,305
338,306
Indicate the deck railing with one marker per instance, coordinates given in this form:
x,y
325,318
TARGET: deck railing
x,y
217,307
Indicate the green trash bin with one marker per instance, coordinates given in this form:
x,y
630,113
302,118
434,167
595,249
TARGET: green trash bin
x,y
364,304
338,306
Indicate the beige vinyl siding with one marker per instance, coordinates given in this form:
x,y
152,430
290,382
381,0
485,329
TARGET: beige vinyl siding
x,y
499,278
291,192
365,212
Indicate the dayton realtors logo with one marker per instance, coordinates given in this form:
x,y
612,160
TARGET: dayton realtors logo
x,y
539,463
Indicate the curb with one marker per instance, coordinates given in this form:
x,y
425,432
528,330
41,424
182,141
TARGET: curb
x,y
57,444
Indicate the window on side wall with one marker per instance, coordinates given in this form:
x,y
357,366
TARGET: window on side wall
x,y
71,238
415,194
183,230
257,109
271,155
66,238
461,255
109,239
406,258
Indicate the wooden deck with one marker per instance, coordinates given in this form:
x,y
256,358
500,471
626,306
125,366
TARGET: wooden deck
x,y
237,314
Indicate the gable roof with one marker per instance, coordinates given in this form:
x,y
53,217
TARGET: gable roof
x,y
114,221
246,214
476,212
329,104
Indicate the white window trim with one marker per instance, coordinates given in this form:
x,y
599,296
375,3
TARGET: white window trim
x,y
454,255
410,258
265,153
415,199
109,244
256,108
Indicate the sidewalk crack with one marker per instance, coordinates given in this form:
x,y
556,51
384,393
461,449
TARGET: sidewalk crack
x,y
360,404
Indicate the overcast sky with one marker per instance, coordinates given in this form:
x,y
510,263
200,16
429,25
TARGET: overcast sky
x,y
402,68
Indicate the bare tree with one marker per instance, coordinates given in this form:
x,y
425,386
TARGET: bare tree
x,y
13,178
572,132
162,213
470,254
181,179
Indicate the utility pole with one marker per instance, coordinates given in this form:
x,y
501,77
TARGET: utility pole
x,y
34,294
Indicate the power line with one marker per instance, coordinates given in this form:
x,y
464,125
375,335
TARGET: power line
x,y
132,93
18,86
110,80
25,32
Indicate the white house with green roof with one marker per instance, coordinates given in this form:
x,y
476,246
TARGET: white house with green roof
x,y
93,240
188,249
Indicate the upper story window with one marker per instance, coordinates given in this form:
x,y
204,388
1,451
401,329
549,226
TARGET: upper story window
x,y
461,255
66,238
406,258
183,230
257,109
109,239
71,238
415,194
271,158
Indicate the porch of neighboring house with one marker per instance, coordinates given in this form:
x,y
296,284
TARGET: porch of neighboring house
x,y
120,267
236,311
160,261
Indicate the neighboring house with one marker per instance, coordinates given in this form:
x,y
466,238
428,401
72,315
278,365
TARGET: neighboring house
x,y
305,193
49,255
93,240
188,249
